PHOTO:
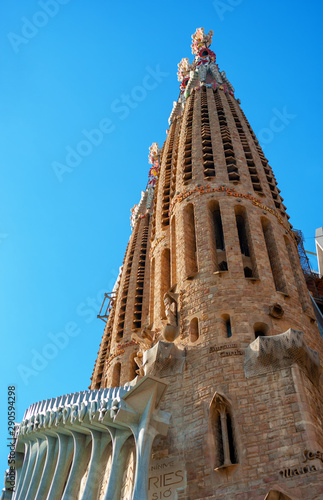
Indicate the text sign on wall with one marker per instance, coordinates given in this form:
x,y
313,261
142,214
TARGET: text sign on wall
x,y
165,478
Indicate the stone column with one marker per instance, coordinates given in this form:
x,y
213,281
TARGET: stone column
x,y
119,438
22,471
19,464
99,442
49,468
144,437
38,469
32,454
65,450
78,466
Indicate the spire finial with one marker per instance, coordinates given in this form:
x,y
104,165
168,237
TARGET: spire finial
x,y
154,154
183,69
154,160
200,39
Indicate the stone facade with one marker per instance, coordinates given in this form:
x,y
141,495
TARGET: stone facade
x,y
213,302
222,245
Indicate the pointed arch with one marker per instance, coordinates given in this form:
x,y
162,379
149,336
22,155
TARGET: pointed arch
x,y
191,265
277,495
221,427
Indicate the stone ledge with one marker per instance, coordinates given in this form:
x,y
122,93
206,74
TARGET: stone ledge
x,y
268,354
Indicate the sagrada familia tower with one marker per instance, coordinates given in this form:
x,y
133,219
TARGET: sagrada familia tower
x,y
206,383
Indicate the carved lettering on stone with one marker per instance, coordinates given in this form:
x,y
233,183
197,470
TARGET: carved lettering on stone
x,y
166,477
221,347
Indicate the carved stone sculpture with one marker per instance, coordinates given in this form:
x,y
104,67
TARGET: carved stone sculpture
x,y
66,413
92,410
139,362
170,330
145,341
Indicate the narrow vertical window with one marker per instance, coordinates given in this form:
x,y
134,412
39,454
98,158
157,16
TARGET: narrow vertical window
x,y
165,277
187,160
139,293
245,243
218,229
208,160
190,241
194,330
230,159
245,146
152,291
126,274
228,328
273,256
217,246
116,374
244,247
173,251
167,177
222,429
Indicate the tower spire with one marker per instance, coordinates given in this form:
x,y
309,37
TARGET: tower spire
x,y
211,302
203,71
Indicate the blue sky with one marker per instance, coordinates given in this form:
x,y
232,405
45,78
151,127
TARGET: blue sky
x,y
108,69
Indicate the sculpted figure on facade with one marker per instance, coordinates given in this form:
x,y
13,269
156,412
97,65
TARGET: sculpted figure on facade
x,y
59,415
171,327
66,413
74,413
92,410
145,341
52,417
103,410
82,411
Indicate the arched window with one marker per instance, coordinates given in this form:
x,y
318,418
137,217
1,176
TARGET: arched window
x,y
260,329
221,426
273,255
245,242
218,253
227,325
190,241
173,251
218,230
242,233
152,291
165,277
116,374
194,330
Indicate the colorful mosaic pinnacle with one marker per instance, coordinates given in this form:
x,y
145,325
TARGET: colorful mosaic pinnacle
x,y
154,153
203,70
201,40
183,69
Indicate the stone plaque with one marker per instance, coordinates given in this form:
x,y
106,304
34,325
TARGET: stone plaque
x,y
166,477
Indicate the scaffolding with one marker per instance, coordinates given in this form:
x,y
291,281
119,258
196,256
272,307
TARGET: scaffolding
x,y
313,280
107,304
